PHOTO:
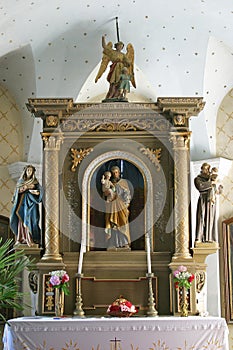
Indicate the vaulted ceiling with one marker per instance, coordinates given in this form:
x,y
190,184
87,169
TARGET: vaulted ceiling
x,y
182,48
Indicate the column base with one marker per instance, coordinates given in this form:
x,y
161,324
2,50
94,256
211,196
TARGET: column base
x,y
51,257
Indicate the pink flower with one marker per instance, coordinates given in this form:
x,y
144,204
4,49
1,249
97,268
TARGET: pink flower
x,y
182,268
55,280
176,273
65,278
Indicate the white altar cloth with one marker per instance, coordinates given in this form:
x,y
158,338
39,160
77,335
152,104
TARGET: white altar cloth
x,y
135,333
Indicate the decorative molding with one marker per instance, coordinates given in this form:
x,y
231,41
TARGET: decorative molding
x,y
78,156
48,296
187,106
52,120
180,140
52,142
153,155
200,280
179,120
33,281
115,124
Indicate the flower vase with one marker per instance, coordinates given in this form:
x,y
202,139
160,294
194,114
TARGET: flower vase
x,y
183,303
59,302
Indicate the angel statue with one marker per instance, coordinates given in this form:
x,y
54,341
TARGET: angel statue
x,y
119,61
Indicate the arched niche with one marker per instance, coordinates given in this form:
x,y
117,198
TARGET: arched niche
x,y
88,191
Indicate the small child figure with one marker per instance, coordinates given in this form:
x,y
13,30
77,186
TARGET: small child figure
x,y
124,84
214,190
107,186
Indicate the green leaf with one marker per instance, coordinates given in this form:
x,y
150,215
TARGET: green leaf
x,y
12,264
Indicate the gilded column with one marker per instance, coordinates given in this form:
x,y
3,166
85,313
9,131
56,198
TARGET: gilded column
x,y
181,193
51,184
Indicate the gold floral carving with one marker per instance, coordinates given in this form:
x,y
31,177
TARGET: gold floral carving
x,y
153,155
49,295
115,125
78,156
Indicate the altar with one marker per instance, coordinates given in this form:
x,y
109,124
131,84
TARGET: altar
x,y
149,144
135,333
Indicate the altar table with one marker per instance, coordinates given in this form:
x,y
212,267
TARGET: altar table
x,y
134,333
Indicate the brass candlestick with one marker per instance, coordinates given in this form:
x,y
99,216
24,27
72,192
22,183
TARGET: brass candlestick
x,y
78,312
152,312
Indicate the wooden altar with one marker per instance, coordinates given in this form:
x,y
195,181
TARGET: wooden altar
x,y
152,141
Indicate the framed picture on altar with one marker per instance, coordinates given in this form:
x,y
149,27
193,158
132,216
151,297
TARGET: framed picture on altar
x,y
227,227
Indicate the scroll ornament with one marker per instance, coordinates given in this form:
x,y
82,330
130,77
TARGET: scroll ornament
x,y
153,155
78,156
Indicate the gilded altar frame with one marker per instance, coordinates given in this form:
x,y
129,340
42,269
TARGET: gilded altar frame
x,y
162,130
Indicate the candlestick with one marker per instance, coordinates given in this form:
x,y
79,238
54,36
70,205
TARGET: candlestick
x,y
152,312
148,253
78,312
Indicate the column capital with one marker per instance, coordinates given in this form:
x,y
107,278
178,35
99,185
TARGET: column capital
x,y
52,141
180,140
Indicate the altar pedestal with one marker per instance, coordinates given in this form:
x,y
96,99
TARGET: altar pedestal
x,y
116,333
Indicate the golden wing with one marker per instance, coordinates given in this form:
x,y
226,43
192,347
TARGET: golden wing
x,y
130,57
104,63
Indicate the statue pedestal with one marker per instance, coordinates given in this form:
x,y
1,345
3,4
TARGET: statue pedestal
x,y
33,250
201,251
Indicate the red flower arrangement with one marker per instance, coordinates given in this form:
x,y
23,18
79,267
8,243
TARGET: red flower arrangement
x,y
182,278
60,279
121,307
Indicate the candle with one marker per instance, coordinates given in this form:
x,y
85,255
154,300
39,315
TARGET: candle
x,y
148,254
80,263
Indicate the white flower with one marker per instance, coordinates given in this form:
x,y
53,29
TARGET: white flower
x,y
59,273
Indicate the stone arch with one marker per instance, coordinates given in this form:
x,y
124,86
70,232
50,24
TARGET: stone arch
x,y
143,168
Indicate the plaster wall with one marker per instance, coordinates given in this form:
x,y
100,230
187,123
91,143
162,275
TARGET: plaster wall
x,y
10,147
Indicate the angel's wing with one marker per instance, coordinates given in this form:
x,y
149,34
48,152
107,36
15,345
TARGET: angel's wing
x,y
130,57
104,63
